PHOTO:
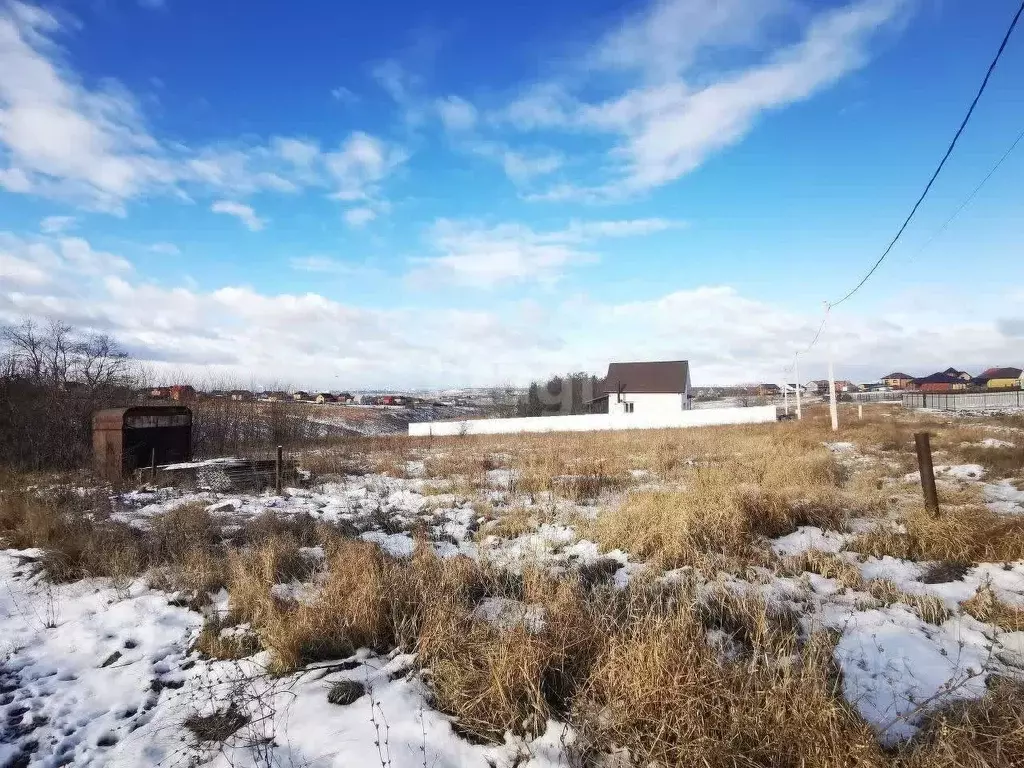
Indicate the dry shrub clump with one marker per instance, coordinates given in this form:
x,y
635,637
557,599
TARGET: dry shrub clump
x,y
985,606
1001,461
983,733
659,691
511,675
725,507
826,564
958,535
929,607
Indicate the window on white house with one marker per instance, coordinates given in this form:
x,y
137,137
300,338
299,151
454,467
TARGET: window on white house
x,y
628,407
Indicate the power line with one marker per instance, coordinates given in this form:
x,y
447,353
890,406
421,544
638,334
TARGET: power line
x,y
949,151
970,197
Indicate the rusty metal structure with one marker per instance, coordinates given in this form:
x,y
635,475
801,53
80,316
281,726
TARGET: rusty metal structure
x,y
126,439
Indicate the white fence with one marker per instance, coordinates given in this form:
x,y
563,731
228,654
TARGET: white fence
x,y
964,401
597,421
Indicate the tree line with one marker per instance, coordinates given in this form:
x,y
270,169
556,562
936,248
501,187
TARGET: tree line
x,y
52,378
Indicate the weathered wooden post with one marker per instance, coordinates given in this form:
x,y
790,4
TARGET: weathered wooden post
x,y
924,462
860,411
278,469
152,465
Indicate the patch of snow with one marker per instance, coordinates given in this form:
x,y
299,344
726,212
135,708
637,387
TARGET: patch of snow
x,y
1003,498
900,571
896,668
840,447
395,544
992,442
951,472
506,614
808,537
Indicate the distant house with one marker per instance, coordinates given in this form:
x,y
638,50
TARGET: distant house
x,y
842,385
386,400
818,386
182,393
300,395
646,387
160,393
940,382
898,380
768,390
1003,378
218,393
962,375
277,397
325,397
239,395
345,397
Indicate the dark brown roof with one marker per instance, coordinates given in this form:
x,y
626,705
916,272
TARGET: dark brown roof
x,y
898,375
939,378
668,376
1001,373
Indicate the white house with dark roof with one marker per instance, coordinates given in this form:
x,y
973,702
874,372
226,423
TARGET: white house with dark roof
x,y
648,388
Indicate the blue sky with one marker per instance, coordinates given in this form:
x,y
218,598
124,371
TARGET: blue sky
x,y
463,194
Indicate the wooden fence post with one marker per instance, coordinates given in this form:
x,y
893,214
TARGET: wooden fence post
x,y
924,462
278,469
152,465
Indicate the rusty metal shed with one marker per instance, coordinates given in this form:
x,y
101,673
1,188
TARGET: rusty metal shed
x,y
125,439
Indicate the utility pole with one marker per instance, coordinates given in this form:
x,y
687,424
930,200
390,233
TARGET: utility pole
x,y
832,395
796,375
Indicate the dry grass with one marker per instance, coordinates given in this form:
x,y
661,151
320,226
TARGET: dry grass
x,y
985,606
826,564
1003,461
657,690
985,733
723,509
930,608
958,535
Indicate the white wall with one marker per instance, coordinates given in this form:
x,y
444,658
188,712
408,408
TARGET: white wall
x,y
597,421
648,404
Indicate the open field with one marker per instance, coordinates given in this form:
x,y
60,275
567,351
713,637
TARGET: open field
x,y
761,595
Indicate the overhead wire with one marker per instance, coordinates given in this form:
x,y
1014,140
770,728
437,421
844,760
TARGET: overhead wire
x,y
928,186
945,157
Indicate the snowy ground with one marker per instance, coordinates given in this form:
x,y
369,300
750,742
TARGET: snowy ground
x,y
91,675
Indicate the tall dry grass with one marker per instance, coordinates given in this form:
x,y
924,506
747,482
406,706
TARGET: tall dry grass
x,y
958,534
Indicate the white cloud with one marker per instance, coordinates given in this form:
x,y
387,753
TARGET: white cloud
x,y
664,40
60,136
165,249
360,163
299,152
344,95
328,265
63,138
242,212
456,113
678,109
522,168
359,217
52,225
486,257
315,341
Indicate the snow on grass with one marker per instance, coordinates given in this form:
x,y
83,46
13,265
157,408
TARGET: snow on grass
x,y
1004,498
808,537
950,472
896,667
85,668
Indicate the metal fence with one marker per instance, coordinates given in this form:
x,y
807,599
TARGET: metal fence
x,y
875,397
964,401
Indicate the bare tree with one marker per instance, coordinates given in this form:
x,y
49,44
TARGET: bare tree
x,y
101,362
